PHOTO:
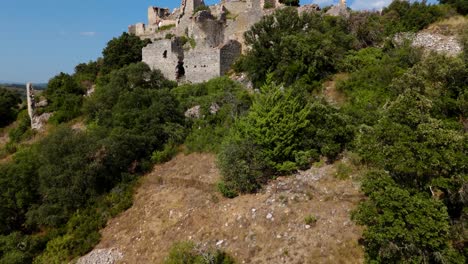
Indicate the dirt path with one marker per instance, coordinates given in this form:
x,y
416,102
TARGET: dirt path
x,y
178,202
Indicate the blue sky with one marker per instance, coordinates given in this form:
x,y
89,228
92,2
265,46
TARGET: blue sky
x,y
41,38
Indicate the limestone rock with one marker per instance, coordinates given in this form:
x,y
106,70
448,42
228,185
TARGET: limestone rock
x,y
101,256
194,112
439,43
39,122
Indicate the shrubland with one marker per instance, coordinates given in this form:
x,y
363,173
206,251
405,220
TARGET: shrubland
x,y
404,116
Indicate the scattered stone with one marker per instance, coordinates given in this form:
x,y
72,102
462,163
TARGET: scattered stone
x,y
214,108
269,216
439,43
101,256
193,112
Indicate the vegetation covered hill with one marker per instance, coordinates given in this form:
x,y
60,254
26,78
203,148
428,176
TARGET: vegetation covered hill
x,y
402,115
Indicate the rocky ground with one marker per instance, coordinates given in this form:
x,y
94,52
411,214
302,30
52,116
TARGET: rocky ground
x,y
178,202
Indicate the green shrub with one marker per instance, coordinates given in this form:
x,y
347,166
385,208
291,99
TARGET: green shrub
x,y
403,227
225,191
310,220
208,131
9,106
169,151
281,133
268,5
201,8
166,27
343,171
188,253
23,130
294,48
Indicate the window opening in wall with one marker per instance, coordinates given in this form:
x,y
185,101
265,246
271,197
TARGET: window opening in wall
x,y
180,70
165,54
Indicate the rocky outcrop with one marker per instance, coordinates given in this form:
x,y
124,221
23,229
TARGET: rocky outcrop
x,y
38,122
449,45
101,256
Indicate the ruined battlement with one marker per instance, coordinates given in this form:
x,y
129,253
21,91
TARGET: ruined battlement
x,y
190,46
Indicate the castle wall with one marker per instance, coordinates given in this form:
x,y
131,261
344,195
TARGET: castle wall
x,y
201,64
140,29
164,56
228,55
207,30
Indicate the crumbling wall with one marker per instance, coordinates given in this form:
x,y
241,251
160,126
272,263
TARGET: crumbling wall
x,y
218,34
228,55
201,64
157,14
37,121
163,55
207,30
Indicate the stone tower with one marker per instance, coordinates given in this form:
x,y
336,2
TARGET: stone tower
x,y
191,5
343,3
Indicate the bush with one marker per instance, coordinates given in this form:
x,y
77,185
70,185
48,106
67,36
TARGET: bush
x,y
188,253
294,48
65,97
310,220
9,106
23,130
226,97
281,133
403,227
169,151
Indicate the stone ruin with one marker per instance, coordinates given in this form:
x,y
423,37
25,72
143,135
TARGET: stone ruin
x,y
340,9
38,121
195,42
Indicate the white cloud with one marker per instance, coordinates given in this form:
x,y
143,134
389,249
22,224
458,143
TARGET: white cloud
x,y
88,33
369,4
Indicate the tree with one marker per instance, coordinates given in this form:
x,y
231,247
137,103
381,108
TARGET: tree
x,y
403,227
281,133
402,16
290,2
122,51
65,97
294,48
9,106
460,5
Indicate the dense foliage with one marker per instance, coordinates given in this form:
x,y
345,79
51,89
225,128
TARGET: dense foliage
x,y
295,48
9,106
281,133
122,51
220,101
460,5
402,16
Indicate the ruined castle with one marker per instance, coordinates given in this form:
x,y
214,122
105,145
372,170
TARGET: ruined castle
x,y
195,42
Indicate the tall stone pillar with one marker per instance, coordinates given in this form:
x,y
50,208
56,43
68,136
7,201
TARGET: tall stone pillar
x,y
30,100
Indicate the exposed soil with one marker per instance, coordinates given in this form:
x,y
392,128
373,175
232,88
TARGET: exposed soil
x,y
178,202
331,94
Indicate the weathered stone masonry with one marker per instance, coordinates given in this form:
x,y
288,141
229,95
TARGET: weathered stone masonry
x,y
200,45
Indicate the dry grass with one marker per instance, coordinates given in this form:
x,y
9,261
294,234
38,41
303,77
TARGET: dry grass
x,y
451,26
178,202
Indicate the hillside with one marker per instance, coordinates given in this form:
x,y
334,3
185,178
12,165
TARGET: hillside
x,y
178,201
336,137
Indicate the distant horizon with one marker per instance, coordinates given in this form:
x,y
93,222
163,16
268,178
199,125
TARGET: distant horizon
x,y
44,38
